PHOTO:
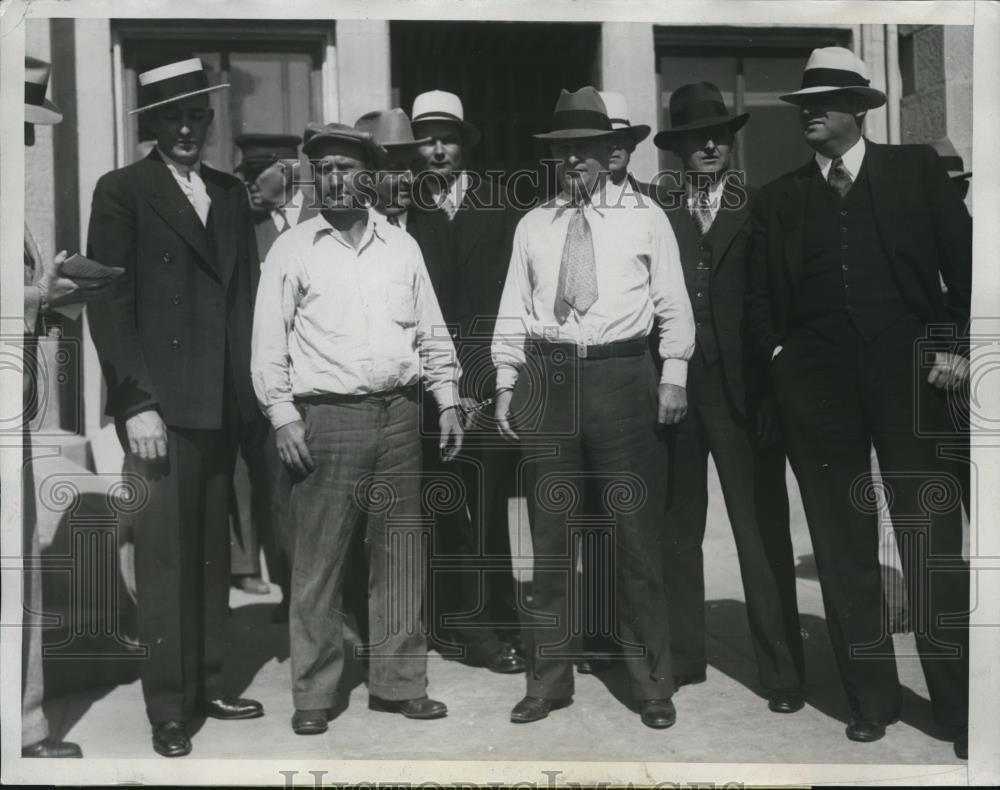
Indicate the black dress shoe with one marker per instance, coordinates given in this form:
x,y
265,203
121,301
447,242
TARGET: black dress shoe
x,y
688,680
310,722
47,748
532,709
170,738
657,713
228,708
962,743
505,661
786,701
592,666
868,730
419,708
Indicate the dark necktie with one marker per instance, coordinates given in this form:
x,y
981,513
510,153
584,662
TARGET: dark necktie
x,y
701,211
838,178
577,287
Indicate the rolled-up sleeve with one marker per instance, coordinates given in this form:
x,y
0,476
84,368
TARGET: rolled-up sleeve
x,y
510,332
671,304
274,313
439,365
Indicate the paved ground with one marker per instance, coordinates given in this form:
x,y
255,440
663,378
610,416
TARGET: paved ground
x,y
721,721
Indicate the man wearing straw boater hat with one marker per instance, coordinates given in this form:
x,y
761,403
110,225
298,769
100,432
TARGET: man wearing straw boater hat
x,y
46,288
174,345
847,252
465,226
345,325
589,281
727,419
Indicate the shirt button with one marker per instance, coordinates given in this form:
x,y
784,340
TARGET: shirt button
x,y
166,257
175,343
176,300
699,294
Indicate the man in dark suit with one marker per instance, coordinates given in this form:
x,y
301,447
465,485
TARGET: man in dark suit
x,y
269,168
174,345
847,252
710,215
465,228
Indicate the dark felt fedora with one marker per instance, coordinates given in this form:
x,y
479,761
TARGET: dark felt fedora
x,y
578,114
697,105
261,150
38,109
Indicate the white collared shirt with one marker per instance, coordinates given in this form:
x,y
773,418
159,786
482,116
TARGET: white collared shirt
x,y
291,210
188,178
714,195
332,319
852,158
640,283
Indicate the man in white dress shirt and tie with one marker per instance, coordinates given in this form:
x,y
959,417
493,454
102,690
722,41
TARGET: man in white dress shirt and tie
x,y
593,273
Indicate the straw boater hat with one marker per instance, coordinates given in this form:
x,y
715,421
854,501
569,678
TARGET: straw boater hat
x,y
261,150
443,106
391,130
578,114
835,69
38,109
697,105
173,82
341,132
617,108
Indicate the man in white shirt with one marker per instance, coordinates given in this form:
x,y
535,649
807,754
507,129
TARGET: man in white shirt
x,y
590,277
345,325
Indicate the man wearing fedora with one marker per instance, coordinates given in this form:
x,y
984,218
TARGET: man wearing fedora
x,y
847,253
45,288
268,167
589,281
465,226
346,323
625,139
174,346
710,215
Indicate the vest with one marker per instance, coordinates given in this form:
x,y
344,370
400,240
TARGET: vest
x,y
696,261
845,270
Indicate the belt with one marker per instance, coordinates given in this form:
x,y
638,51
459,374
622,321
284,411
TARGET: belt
x,y
634,347
337,398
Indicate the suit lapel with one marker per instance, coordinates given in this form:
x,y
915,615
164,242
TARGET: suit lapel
x,y
164,194
470,221
792,215
223,221
878,167
727,222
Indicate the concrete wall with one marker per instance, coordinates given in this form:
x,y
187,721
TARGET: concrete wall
x,y
362,41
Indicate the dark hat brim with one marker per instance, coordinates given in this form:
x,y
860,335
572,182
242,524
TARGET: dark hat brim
x,y
371,150
258,164
572,134
46,114
873,96
733,122
179,97
470,133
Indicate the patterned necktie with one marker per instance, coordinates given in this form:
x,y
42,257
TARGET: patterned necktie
x,y
701,211
448,206
838,178
577,286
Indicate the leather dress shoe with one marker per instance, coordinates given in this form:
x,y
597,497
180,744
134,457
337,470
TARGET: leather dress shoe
x,y
532,709
688,680
592,666
170,738
252,584
786,701
868,730
505,661
962,743
229,708
419,708
310,722
47,748
657,713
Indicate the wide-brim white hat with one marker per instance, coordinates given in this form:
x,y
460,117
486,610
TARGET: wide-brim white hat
x,y
618,114
443,106
173,82
832,70
38,109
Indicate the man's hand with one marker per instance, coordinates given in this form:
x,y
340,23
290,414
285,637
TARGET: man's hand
x,y
451,433
949,372
147,435
470,412
673,404
292,449
503,414
57,291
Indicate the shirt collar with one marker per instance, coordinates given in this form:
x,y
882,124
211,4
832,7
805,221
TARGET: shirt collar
x,y
178,168
374,228
852,159
296,201
714,191
607,194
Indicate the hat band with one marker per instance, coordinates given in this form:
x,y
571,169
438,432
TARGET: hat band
x,y
172,87
622,121
699,111
580,119
832,78
34,94
438,115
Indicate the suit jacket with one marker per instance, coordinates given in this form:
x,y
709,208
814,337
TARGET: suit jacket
x,y
183,309
923,225
727,239
468,258
266,232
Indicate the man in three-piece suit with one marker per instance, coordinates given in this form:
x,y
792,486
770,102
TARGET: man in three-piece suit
x,y
465,228
709,212
174,346
847,252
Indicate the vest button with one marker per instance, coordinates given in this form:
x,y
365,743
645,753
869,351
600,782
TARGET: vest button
x,y
844,267
176,300
166,257
175,343
843,246
843,213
